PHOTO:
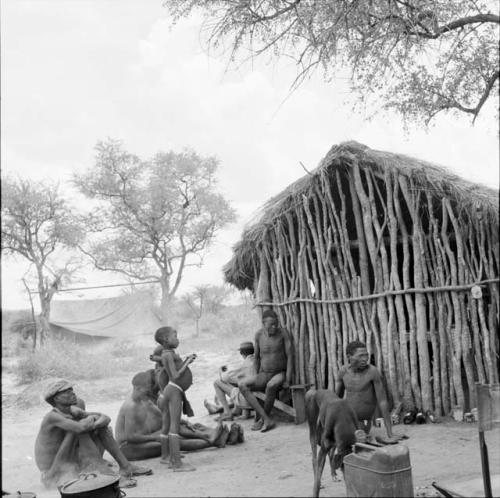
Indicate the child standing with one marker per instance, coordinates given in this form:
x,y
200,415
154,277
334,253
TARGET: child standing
x,y
180,379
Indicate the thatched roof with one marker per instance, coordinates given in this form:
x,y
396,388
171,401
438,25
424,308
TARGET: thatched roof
x,y
437,179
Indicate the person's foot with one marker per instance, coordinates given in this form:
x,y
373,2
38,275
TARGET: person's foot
x,y
184,467
241,436
236,412
211,408
224,417
267,426
136,470
234,433
257,426
127,482
217,432
222,440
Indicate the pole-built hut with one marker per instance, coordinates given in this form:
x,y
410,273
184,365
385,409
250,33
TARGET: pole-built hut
x,y
393,251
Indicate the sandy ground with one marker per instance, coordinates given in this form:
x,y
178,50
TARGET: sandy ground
x,y
277,463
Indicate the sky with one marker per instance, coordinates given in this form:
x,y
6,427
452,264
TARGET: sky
x,y
75,72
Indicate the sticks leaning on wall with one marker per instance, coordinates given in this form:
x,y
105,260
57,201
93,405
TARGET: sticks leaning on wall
x,y
404,288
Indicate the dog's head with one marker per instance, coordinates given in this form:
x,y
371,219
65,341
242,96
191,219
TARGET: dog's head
x,y
338,457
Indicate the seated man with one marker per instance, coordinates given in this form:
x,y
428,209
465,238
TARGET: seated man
x,y
363,388
138,426
227,384
71,440
274,366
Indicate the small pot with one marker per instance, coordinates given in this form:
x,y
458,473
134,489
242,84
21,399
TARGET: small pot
x,y
92,486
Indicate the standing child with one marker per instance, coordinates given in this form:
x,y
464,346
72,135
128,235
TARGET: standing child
x,y
160,373
180,379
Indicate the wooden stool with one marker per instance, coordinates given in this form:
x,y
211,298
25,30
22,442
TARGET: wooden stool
x,y
298,410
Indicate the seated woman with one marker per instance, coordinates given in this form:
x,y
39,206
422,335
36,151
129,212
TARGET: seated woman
x,y
138,426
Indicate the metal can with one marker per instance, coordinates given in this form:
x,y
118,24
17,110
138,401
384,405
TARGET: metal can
x,y
379,422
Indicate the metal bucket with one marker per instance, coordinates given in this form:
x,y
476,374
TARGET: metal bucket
x,y
92,486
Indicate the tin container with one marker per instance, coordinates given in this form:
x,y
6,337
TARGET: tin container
x,y
378,471
92,485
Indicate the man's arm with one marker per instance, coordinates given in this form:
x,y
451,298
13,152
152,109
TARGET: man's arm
x,y
85,424
382,401
339,383
101,420
289,358
256,357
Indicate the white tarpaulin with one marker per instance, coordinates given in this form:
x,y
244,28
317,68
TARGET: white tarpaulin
x,y
123,316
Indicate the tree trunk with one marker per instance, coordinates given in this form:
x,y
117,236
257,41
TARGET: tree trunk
x,y
165,299
44,319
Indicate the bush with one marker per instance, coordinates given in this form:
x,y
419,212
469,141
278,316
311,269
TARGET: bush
x,y
122,349
17,332
62,358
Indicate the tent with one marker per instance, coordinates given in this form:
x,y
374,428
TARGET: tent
x,y
393,251
125,316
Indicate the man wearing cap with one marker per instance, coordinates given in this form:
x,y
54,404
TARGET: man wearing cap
x,y
274,367
138,425
227,384
71,440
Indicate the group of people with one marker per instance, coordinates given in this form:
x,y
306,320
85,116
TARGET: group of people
x,y
150,423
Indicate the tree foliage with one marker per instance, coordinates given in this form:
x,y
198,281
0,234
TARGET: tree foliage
x,y
417,57
38,224
155,217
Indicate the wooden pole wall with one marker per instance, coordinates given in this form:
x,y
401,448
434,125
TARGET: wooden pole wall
x,y
430,347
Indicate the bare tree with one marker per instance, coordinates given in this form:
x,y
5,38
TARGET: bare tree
x,y
417,57
38,225
155,218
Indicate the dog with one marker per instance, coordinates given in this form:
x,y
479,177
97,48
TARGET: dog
x,y
332,426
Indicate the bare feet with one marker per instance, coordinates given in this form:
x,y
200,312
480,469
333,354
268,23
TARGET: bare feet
x,y
222,440
234,433
268,426
224,417
257,426
135,470
217,432
127,482
184,467
241,436
211,408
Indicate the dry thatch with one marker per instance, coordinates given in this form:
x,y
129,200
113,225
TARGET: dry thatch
x,y
470,196
383,248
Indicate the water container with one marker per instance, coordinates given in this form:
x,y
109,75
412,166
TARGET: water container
x,y
378,471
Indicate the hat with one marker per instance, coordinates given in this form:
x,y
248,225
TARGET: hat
x,y
269,314
56,387
246,346
142,379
